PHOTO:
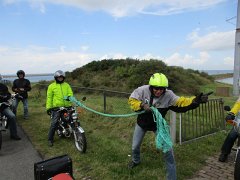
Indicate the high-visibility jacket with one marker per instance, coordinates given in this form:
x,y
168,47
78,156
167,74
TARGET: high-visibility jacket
x,y
56,93
236,107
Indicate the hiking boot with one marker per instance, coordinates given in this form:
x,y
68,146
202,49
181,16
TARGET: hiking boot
x,y
16,137
132,164
50,143
223,157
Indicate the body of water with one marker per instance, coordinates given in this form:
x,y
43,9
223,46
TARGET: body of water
x,y
214,72
34,78
227,80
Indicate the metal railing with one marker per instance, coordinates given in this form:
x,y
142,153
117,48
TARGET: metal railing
x,y
205,120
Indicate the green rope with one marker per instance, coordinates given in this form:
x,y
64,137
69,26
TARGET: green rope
x,y
78,103
163,138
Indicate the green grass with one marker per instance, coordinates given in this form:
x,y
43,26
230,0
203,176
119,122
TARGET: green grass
x,y
109,144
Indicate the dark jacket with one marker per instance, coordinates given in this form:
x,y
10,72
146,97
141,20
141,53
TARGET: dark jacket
x,y
21,83
4,95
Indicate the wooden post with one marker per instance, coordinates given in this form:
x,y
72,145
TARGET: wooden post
x,y
173,126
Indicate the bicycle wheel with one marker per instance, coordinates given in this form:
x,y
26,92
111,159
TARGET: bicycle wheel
x,y
237,166
80,141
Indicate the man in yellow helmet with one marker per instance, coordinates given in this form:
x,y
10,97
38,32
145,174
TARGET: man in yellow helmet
x,y
157,95
232,135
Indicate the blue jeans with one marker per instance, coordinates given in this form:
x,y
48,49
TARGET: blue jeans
x,y
229,142
11,121
138,136
25,106
54,122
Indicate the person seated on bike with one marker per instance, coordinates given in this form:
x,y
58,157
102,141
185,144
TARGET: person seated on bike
x,y
55,98
6,110
232,135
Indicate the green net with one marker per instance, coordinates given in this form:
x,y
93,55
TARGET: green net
x,y
163,138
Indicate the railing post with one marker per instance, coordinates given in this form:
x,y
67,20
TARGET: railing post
x,y
173,126
180,128
104,102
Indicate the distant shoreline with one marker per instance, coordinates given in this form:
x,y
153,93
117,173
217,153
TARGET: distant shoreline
x,y
222,76
28,75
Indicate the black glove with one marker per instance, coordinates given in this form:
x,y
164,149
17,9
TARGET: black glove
x,y
230,116
49,112
18,96
202,98
146,107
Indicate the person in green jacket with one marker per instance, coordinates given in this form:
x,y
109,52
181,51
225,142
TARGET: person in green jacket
x,y
55,99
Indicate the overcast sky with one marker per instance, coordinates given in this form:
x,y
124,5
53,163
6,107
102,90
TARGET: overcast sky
x,y
42,36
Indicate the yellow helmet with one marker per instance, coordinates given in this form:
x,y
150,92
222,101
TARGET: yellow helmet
x,y
158,80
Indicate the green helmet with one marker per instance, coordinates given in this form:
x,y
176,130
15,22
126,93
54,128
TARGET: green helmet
x,y
158,80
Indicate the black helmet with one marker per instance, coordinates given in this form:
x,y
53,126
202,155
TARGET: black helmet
x,y
20,72
58,74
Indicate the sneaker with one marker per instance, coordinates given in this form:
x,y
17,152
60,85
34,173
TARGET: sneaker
x,y
132,164
223,157
15,137
50,143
